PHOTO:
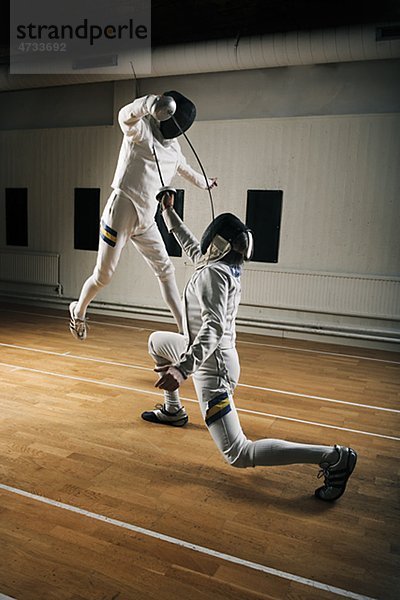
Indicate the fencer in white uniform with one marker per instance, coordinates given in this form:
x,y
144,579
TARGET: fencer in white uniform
x,y
150,156
206,351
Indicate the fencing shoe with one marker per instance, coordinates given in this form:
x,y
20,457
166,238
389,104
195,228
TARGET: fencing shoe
x,y
78,327
336,475
162,416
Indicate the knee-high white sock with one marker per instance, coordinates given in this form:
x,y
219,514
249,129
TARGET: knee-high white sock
x,y
171,296
172,401
89,291
270,452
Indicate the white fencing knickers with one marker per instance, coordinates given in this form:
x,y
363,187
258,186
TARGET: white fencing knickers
x,y
214,383
119,222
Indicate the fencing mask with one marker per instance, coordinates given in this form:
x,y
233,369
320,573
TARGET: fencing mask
x,y
224,234
184,115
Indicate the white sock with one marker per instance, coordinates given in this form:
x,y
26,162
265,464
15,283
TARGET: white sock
x,y
172,401
271,452
89,291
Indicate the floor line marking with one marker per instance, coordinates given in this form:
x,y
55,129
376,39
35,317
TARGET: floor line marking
x,y
25,312
323,398
238,341
264,414
244,385
150,392
77,357
342,354
188,545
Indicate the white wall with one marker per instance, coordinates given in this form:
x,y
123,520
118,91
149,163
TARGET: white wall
x,y
339,251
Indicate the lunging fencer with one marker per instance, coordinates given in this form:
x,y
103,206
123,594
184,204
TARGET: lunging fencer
x,y
150,156
206,351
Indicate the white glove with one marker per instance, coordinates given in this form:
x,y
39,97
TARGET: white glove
x,y
166,197
161,107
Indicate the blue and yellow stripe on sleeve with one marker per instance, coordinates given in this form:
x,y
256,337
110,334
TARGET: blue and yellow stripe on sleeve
x,y
107,234
217,408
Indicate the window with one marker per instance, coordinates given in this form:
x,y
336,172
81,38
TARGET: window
x,y
86,218
172,246
17,216
263,217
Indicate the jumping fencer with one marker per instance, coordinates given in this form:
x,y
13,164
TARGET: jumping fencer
x,y
149,158
206,351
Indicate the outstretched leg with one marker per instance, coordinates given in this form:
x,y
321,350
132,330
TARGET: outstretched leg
x,y
117,220
337,462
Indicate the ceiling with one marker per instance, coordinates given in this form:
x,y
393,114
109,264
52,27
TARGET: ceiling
x,y
182,21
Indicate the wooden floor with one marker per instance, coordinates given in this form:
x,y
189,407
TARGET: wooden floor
x,y
89,491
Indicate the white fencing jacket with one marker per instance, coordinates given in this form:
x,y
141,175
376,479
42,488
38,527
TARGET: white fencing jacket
x,y
136,173
210,301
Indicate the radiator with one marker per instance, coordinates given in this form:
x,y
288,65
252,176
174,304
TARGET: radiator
x,y
334,293
26,269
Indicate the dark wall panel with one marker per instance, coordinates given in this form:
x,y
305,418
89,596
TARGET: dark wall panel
x,y
17,216
86,218
263,216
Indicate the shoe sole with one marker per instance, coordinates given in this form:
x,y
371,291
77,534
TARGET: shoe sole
x,y
170,423
351,465
75,335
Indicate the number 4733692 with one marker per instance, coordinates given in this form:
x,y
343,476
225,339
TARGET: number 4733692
x,y
42,47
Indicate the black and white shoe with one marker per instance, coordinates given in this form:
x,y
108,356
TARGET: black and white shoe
x,y
336,475
163,417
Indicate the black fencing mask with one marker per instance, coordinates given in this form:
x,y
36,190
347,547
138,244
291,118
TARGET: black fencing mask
x,y
225,233
184,115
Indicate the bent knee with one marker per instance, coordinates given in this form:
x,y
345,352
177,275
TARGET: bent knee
x,y
155,347
243,461
241,458
152,343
